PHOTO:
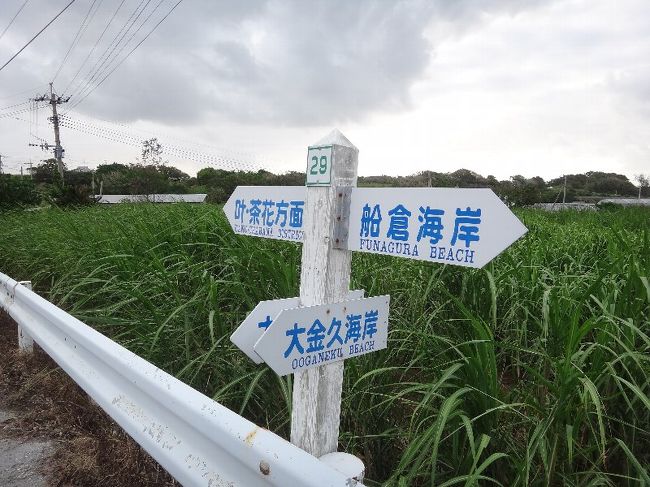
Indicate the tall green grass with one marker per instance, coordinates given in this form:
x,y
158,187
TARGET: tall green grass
x,y
532,371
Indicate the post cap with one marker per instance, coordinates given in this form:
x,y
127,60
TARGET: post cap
x,y
347,464
335,137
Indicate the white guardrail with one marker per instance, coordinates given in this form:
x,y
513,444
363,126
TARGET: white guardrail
x,y
197,440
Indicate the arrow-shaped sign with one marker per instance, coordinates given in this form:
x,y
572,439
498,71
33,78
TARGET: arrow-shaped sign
x,y
262,316
458,226
267,211
303,338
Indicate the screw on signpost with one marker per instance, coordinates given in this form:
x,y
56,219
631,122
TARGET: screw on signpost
x,y
324,278
25,342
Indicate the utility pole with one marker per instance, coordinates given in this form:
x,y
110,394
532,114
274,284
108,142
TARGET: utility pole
x,y
564,196
55,100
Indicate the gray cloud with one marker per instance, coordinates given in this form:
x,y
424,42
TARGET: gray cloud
x,y
263,62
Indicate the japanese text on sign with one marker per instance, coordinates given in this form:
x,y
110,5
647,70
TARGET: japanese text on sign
x,y
459,226
271,212
329,341
428,226
302,338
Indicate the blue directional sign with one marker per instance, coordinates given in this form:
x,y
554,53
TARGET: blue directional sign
x,y
267,211
458,226
303,338
262,317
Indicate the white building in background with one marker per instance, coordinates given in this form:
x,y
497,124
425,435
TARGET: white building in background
x,y
626,201
112,199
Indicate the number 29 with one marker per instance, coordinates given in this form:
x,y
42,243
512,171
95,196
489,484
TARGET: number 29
x,y
319,165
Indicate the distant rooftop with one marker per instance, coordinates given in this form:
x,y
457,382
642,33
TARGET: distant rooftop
x,y
578,205
112,199
626,201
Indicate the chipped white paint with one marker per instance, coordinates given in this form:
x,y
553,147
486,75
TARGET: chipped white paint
x,y
324,278
198,441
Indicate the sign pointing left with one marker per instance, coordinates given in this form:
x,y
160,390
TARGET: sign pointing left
x,y
261,318
304,338
267,211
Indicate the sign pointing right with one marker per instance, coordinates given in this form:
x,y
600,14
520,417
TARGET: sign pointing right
x,y
460,226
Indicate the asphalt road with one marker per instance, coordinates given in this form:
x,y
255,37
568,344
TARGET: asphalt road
x,y
21,459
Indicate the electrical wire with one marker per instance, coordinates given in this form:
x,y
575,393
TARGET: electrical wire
x,y
22,92
37,34
101,36
107,53
16,105
129,54
133,35
82,29
13,18
169,149
15,112
237,154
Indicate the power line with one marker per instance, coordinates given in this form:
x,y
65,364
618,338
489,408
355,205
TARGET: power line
x,y
37,34
169,149
16,105
20,93
65,91
129,54
95,69
137,30
15,112
13,18
240,155
82,27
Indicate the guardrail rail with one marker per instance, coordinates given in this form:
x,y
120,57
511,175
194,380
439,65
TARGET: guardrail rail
x,y
197,440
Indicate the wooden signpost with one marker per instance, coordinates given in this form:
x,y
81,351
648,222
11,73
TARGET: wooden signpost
x,y
310,336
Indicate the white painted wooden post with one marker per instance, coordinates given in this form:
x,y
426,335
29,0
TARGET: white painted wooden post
x,y
324,278
25,342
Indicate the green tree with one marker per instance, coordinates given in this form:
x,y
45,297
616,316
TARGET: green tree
x,y
152,152
644,184
16,191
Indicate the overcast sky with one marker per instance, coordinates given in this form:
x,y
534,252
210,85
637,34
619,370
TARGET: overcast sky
x,y
500,87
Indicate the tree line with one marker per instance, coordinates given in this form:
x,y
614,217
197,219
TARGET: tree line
x,y
151,175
